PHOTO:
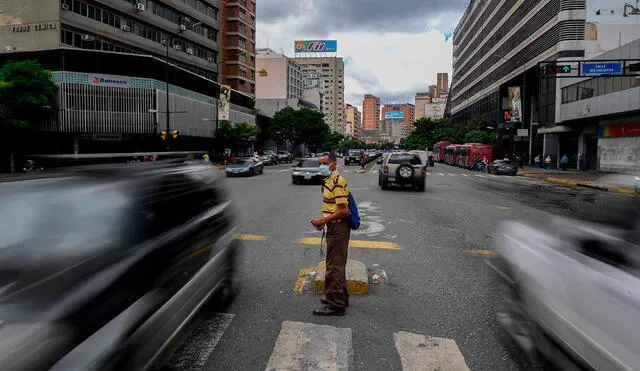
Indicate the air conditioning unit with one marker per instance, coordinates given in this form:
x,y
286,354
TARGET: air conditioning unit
x,y
210,59
65,7
125,28
189,51
177,47
140,7
164,42
88,38
183,27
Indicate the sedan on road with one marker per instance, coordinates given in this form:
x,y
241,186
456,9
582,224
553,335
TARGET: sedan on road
x,y
307,171
101,269
245,166
502,167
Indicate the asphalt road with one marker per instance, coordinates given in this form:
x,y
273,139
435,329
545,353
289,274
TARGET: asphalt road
x,y
439,285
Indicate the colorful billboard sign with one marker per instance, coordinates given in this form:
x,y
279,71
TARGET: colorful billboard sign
x,y
434,111
515,104
224,102
394,115
111,81
622,130
316,46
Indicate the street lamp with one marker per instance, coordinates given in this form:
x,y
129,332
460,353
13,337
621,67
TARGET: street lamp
x,y
183,27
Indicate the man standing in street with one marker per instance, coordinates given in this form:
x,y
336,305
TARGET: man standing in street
x,y
335,211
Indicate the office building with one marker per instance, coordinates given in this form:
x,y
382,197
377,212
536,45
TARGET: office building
x,y
328,74
278,76
420,100
443,82
353,123
370,117
407,111
238,25
393,130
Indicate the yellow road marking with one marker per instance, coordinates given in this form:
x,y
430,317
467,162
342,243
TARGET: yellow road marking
x,y
480,252
298,287
361,244
251,237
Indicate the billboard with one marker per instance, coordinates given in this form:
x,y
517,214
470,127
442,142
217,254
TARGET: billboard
x,y
515,103
111,81
316,46
612,12
394,115
224,101
434,111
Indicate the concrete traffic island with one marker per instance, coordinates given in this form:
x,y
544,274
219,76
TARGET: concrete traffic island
x,y
358,276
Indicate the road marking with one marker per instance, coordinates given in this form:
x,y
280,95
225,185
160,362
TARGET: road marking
x,y
480,176
428,173
361,244
480,252
251,237
284,170
452,174
192,355
306,346
441,174
465,175
469,203
419,352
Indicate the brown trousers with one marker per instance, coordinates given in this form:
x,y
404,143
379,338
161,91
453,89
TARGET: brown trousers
x,y
335,282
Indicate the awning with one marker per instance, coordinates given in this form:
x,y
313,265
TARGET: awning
x,y
555,129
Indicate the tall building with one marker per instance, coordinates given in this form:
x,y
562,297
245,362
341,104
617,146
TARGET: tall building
x,y
278,76
238,26
392,130
434,92
408,113
353,124
443,82
327,73
370,116
420,100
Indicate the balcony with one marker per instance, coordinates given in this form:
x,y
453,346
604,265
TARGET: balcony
x,y
247,5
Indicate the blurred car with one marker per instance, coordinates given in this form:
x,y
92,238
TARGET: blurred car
x,y
502,167
269,157
100,269
570,289
245,166
285,157
353,157
307,171
404,169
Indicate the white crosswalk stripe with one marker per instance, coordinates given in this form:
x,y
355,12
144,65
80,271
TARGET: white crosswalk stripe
x,y
480,176
465,175
304,346
441,174
451,174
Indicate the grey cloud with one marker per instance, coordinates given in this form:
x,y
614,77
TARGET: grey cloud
x,y
363,15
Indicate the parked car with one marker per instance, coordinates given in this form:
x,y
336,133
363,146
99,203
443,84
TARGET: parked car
x,y
245,166
404,169
285,157
100,269
269,157
569,290
353,157
307,171
502,167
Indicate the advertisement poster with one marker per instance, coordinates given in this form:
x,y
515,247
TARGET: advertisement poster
x,y
515,104
224,102
316,46
394,115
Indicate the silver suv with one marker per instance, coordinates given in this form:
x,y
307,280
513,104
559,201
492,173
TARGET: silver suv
x,y
404,169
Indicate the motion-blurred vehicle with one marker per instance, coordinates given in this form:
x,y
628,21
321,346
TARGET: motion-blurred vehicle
x,y
101,268
353,157
245,166
269,157
30,165
502,167
285,157
570,290
307,171
403,169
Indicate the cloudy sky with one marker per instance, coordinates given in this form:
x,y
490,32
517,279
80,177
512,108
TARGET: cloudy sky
x,y
392,49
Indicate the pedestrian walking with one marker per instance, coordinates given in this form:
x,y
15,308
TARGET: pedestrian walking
x,y
537,161
335,212
581,162
547,163
564,162
362,159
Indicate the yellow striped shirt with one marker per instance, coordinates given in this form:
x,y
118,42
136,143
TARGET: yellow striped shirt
x,y
334,192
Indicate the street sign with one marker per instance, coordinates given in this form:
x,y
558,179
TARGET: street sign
x,y
601,68
565,68
522,132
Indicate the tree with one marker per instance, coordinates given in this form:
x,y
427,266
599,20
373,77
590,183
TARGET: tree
x,y
300,126
237,136
333,140
352,143
27,94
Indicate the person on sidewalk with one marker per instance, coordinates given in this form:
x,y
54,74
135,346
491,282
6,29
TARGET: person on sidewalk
x,y
537,161
581,162
547,163
335,210
564,162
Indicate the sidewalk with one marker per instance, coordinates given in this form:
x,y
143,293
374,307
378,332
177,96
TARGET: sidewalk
x,y
620,183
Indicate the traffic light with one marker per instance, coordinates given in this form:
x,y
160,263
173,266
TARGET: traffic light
x,y
163,135
174,134
558,69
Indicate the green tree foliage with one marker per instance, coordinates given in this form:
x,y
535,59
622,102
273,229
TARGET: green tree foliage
x,y
427,132
300,126
27,94
237,136
352,143
333,141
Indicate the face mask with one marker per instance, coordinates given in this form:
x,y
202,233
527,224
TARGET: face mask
x,y
324,170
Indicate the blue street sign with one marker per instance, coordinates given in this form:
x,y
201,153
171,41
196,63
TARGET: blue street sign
x,y
601,68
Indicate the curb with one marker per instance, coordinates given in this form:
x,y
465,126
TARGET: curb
x,y
573,183
357,278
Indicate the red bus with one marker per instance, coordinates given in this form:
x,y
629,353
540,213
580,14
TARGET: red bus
x,y
438,150
468,152
450,155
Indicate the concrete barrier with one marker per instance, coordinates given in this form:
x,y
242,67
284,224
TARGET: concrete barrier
x,y
357,278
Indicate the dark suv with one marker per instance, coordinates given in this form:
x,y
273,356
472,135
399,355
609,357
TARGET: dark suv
x,y
404,169
100,268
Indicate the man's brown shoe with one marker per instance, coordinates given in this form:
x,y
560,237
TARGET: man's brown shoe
x,y
324,301
327,311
